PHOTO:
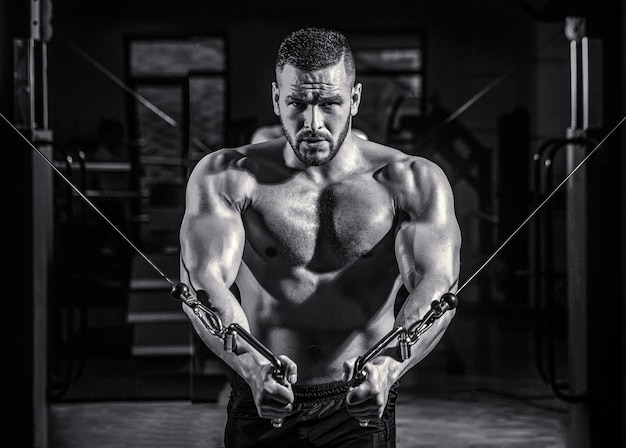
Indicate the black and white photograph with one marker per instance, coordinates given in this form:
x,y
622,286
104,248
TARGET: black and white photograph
x,y
347,224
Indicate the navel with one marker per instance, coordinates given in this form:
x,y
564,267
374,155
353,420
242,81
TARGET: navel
x,y
314,351
271,251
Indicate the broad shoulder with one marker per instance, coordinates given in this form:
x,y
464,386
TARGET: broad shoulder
x,y
225,160
234,173
414,181
405,171
239,162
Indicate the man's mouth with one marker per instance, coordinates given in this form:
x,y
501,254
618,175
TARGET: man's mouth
x,y
314,143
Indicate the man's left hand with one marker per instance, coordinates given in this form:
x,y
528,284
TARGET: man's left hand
x,y
366,401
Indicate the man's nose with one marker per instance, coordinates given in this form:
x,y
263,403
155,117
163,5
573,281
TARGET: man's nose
x,y
312,118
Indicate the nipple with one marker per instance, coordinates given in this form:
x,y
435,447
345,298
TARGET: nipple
x,y
366,254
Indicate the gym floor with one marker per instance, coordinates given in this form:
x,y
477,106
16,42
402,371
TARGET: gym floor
x,y
464,418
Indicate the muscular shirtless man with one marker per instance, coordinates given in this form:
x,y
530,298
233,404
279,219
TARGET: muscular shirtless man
x,y
306,241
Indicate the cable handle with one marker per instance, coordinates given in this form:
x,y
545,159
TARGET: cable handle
x,y
230,334
234,331
406,338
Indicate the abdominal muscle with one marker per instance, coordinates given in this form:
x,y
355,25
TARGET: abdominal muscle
x,y
323,330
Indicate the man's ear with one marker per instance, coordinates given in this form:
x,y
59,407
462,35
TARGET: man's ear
x,y
355,99
275,98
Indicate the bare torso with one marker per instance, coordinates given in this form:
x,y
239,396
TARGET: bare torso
x,y
319,276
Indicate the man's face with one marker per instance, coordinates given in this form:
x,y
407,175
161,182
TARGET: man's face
x,y
315,110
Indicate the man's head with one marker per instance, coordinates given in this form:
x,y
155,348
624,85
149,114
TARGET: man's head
x,y
315,94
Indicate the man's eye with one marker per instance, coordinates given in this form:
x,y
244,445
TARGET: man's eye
x,y
297,105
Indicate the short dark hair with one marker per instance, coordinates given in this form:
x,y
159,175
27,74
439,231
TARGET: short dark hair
x,y
315,48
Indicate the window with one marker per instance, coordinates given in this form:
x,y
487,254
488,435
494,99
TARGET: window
x,y
183,83
390,66
179,116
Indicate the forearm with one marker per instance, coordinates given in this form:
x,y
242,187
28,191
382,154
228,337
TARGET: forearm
x,y
244,359
391,362
414,310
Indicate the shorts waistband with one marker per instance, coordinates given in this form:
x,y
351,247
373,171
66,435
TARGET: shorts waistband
x,y
311,392
303,393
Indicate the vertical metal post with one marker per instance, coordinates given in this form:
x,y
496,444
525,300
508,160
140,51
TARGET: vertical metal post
x,y
42,212
576,231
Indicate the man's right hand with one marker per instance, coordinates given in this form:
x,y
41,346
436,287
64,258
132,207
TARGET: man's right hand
x,y
274,398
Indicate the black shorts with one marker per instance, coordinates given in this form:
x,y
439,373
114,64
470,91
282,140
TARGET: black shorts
x,y
320,419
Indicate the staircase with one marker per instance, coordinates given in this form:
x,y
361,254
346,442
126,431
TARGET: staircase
x,y
160,327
